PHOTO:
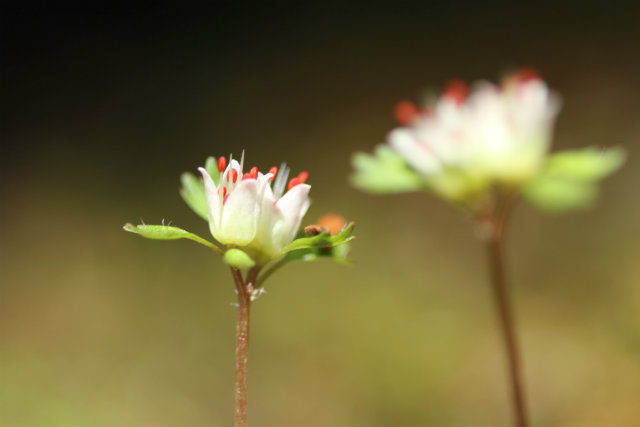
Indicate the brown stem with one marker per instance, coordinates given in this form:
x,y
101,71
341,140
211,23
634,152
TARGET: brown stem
x,y
500,291
242,348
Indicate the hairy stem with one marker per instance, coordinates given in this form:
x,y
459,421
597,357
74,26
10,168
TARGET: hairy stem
x,y
501,295
242,349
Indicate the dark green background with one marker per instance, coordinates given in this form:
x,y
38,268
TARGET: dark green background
x,y
105,104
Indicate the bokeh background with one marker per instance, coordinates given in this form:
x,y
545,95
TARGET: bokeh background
x,y
105,104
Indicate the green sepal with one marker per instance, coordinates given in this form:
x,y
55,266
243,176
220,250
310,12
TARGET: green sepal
x,y
238,258
167,232
570,178
385,171
192,193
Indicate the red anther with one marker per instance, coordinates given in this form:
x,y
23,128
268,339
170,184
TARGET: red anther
x,y
457,90
526,74
226,176
247,175
222,163
293,182
254,172
225,199
405,111
273,171
234,175
302,176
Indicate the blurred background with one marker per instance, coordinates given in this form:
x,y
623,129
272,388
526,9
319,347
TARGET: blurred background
x,y
104,104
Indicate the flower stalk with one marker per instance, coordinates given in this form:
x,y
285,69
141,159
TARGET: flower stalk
x,y
244,291
495,223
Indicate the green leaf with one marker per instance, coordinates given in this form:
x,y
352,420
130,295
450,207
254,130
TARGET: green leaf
x,y
558,195
589,164
211,165
570,178
166,232
192,193
322,240
238,258
312,248
384,172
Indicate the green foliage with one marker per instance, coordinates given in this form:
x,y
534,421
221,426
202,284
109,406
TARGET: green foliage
x,y
166,232
570,178
322,240
311,248
384,172
192,193
192,190
211,165
238,258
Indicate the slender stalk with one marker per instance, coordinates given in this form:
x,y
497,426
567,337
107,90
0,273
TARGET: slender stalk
x,y
498,280
244,291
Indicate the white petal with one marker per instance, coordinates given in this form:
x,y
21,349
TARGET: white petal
x,y
269,216
292,206
417,153
240,214
213,201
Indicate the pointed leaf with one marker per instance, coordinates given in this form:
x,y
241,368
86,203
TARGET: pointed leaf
x,y
166,232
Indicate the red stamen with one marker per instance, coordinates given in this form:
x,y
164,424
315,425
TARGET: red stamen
x,y
222,163
247,175
273,171
234,175
224,192
405,111
293,182
226,176
254,172
225,199
457,90
302,177
526,74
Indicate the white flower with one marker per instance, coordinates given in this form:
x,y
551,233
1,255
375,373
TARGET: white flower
x,y
494,134
245,211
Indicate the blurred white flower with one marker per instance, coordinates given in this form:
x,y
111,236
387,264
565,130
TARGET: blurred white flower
x,y
492,134
246,211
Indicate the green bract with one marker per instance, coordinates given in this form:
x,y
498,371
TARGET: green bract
x,y
570,178
384,172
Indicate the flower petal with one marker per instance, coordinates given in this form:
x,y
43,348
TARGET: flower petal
x,y
292,206
240,214
269,216
418,154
